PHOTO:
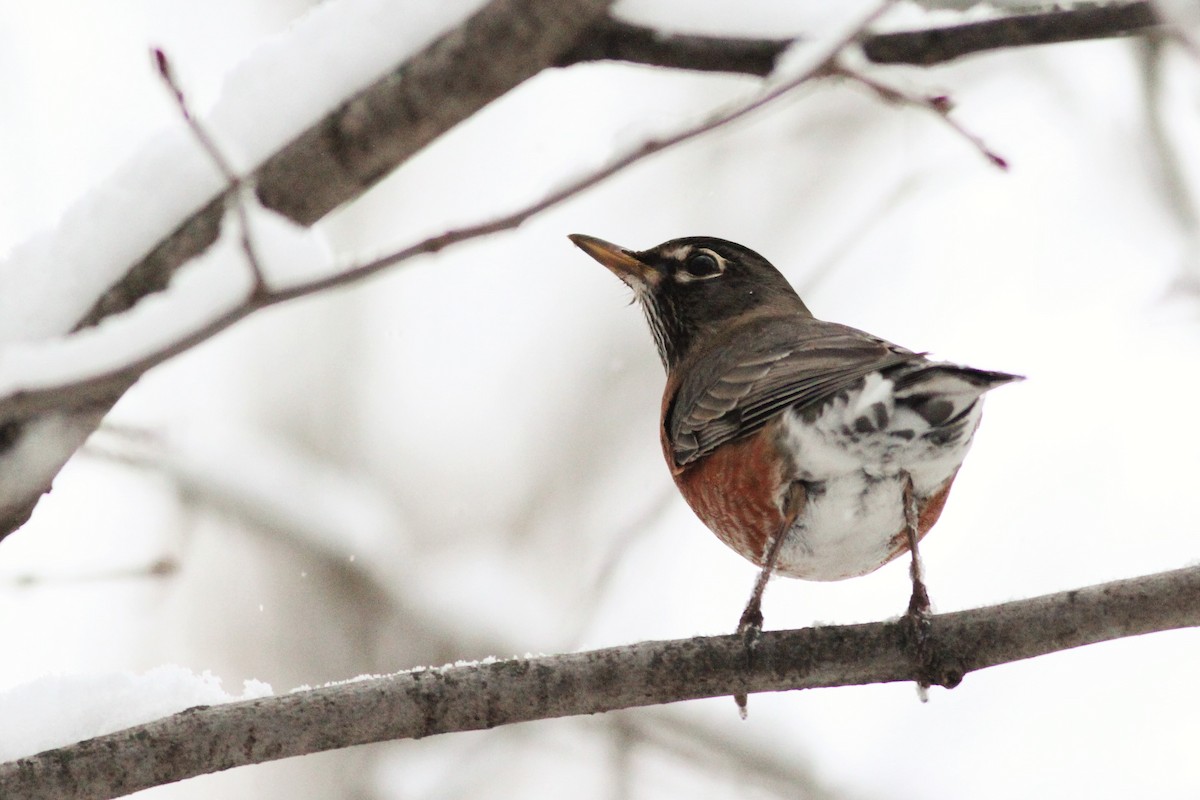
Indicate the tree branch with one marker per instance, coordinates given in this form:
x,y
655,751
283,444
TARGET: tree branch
x,y
1082,23
458,698
502,45
97,388
614,40
498,48
337,160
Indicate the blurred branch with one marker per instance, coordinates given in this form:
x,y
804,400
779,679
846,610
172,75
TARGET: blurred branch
x,y
615,40
1168,150
705,746
938,45
425,702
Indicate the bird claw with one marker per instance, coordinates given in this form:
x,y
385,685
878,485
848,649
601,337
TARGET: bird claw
x,y
750,630
750,625
918,626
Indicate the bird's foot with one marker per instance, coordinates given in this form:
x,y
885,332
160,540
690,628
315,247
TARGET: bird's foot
x,y
750,630
918,627
750,625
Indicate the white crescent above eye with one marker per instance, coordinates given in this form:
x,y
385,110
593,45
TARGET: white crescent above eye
x,y
700,264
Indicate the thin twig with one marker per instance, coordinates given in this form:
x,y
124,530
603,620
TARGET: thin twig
x,y
485,695
939,105
648,148
237,185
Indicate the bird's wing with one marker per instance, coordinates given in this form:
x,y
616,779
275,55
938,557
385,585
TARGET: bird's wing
x,y
734,389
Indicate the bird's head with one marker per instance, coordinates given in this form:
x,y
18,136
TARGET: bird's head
x,y
695,286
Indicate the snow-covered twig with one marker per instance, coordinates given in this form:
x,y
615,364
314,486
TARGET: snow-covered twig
x,y
815,67
452,67
425,702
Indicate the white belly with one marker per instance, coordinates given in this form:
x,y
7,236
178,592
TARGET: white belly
x,y
854,506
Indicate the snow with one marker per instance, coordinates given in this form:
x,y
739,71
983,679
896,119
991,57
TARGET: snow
x,y
288,253
766,18
818,44
56,710
212,286
313,54
204,289
501,401
778,18
918,14
51,280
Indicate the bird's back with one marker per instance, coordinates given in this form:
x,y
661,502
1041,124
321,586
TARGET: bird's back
x,y
845,414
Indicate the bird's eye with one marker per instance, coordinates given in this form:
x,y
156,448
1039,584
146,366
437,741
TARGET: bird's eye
x,y
703,264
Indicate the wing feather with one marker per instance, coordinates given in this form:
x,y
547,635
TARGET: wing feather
x,y
733,390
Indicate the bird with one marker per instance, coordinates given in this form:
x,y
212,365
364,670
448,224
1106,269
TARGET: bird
x,y
813,449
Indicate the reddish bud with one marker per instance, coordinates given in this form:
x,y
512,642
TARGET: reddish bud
x,y
160,61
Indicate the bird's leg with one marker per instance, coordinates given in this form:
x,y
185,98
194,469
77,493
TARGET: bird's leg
x,y
917,616
750,625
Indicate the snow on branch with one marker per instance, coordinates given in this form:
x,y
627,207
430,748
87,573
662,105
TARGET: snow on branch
x,y
449,71
463,697
22,395
104,258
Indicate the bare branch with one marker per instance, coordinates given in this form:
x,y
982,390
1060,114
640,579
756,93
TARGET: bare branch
x,y
1082,23
459,698
615,40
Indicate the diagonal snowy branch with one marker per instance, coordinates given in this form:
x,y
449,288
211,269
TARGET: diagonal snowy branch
x,y
19,396
315,151
425,702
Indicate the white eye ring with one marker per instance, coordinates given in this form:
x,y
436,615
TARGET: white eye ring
x,y
700,265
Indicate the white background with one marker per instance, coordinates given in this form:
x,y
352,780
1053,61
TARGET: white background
x,y
460,459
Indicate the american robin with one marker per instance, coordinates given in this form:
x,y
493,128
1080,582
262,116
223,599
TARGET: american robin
x,y
811,448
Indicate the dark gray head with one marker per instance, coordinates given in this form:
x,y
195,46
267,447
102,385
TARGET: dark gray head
x,y
695,286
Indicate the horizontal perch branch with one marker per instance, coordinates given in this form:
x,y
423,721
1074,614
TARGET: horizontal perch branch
x,y
472,697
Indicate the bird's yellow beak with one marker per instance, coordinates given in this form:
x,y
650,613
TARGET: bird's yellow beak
x,y
621,262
